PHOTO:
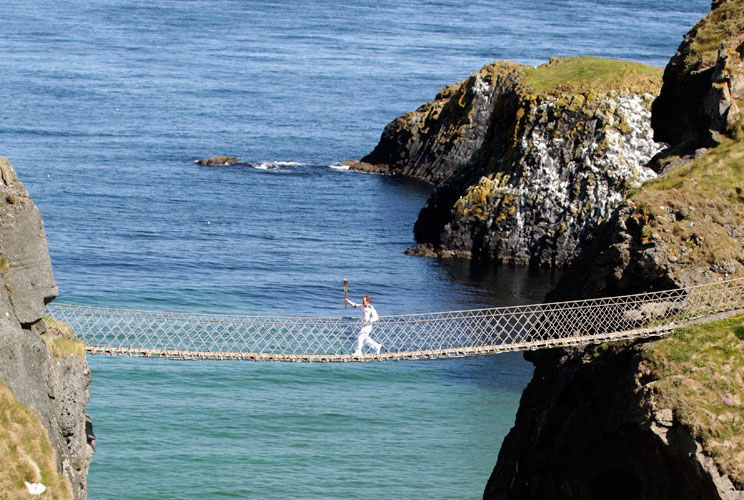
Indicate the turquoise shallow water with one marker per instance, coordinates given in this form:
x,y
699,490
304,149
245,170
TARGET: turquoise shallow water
x,y
261,430
105,106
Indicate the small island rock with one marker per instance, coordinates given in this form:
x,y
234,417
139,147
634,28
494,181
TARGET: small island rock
x,y
216,161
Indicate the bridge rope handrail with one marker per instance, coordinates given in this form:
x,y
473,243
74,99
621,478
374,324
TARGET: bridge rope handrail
x,y
141,332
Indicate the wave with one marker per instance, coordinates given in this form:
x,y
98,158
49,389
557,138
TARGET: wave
x,y
283,166
338,166
277,165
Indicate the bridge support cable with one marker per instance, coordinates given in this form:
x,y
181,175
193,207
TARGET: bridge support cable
x,y
131,332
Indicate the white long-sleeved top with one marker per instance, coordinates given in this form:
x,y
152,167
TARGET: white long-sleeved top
x,y
369,314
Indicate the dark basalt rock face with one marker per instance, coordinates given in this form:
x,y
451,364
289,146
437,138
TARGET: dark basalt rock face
x,y
589,427
703,87
440,136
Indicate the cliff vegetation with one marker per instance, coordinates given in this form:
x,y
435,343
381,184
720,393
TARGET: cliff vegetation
x,y
584,74
696,212
726,20
699,374
26,454
62,340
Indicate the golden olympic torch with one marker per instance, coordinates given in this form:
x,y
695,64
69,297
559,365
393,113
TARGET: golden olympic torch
x,y
346,292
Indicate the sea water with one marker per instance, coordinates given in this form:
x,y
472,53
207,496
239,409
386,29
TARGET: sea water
x,y
105,106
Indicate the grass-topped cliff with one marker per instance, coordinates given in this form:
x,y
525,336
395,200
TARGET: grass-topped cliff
x,y
726,20
664,418
538,156
644,419
695,213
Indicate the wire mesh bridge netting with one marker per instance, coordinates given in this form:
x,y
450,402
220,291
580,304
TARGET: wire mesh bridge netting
x,y
131,332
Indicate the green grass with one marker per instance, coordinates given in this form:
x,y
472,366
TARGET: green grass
x,y
721,23
700,376
572,74
26,453
719,172
62,340
696,210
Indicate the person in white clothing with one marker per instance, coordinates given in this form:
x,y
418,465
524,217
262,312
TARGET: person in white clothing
x,y
369,316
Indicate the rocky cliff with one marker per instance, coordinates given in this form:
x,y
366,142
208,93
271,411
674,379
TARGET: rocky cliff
x,y
685,227
42,376
704,82
529,161
621,422
653,419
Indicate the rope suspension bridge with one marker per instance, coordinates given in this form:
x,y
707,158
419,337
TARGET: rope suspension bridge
x,y
127,332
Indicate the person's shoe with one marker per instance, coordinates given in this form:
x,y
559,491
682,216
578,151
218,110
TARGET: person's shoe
x,y
357,353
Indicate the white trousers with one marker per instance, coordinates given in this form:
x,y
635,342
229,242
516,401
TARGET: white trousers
x,y
364,338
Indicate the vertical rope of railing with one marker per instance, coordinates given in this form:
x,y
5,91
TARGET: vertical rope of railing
x,y
171,334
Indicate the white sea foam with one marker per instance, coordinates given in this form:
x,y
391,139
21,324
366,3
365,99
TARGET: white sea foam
x,y
338,166
275,165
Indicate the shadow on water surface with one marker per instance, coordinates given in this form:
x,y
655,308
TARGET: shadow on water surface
x,y
499,284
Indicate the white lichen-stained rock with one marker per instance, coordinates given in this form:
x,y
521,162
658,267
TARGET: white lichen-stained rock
x,y
529,161
558,187
54,387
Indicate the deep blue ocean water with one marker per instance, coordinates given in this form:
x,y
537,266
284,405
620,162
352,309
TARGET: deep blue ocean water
x,y
105,105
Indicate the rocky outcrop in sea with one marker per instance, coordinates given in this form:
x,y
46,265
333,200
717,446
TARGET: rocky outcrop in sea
x,y
528,161
54,387
216,161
